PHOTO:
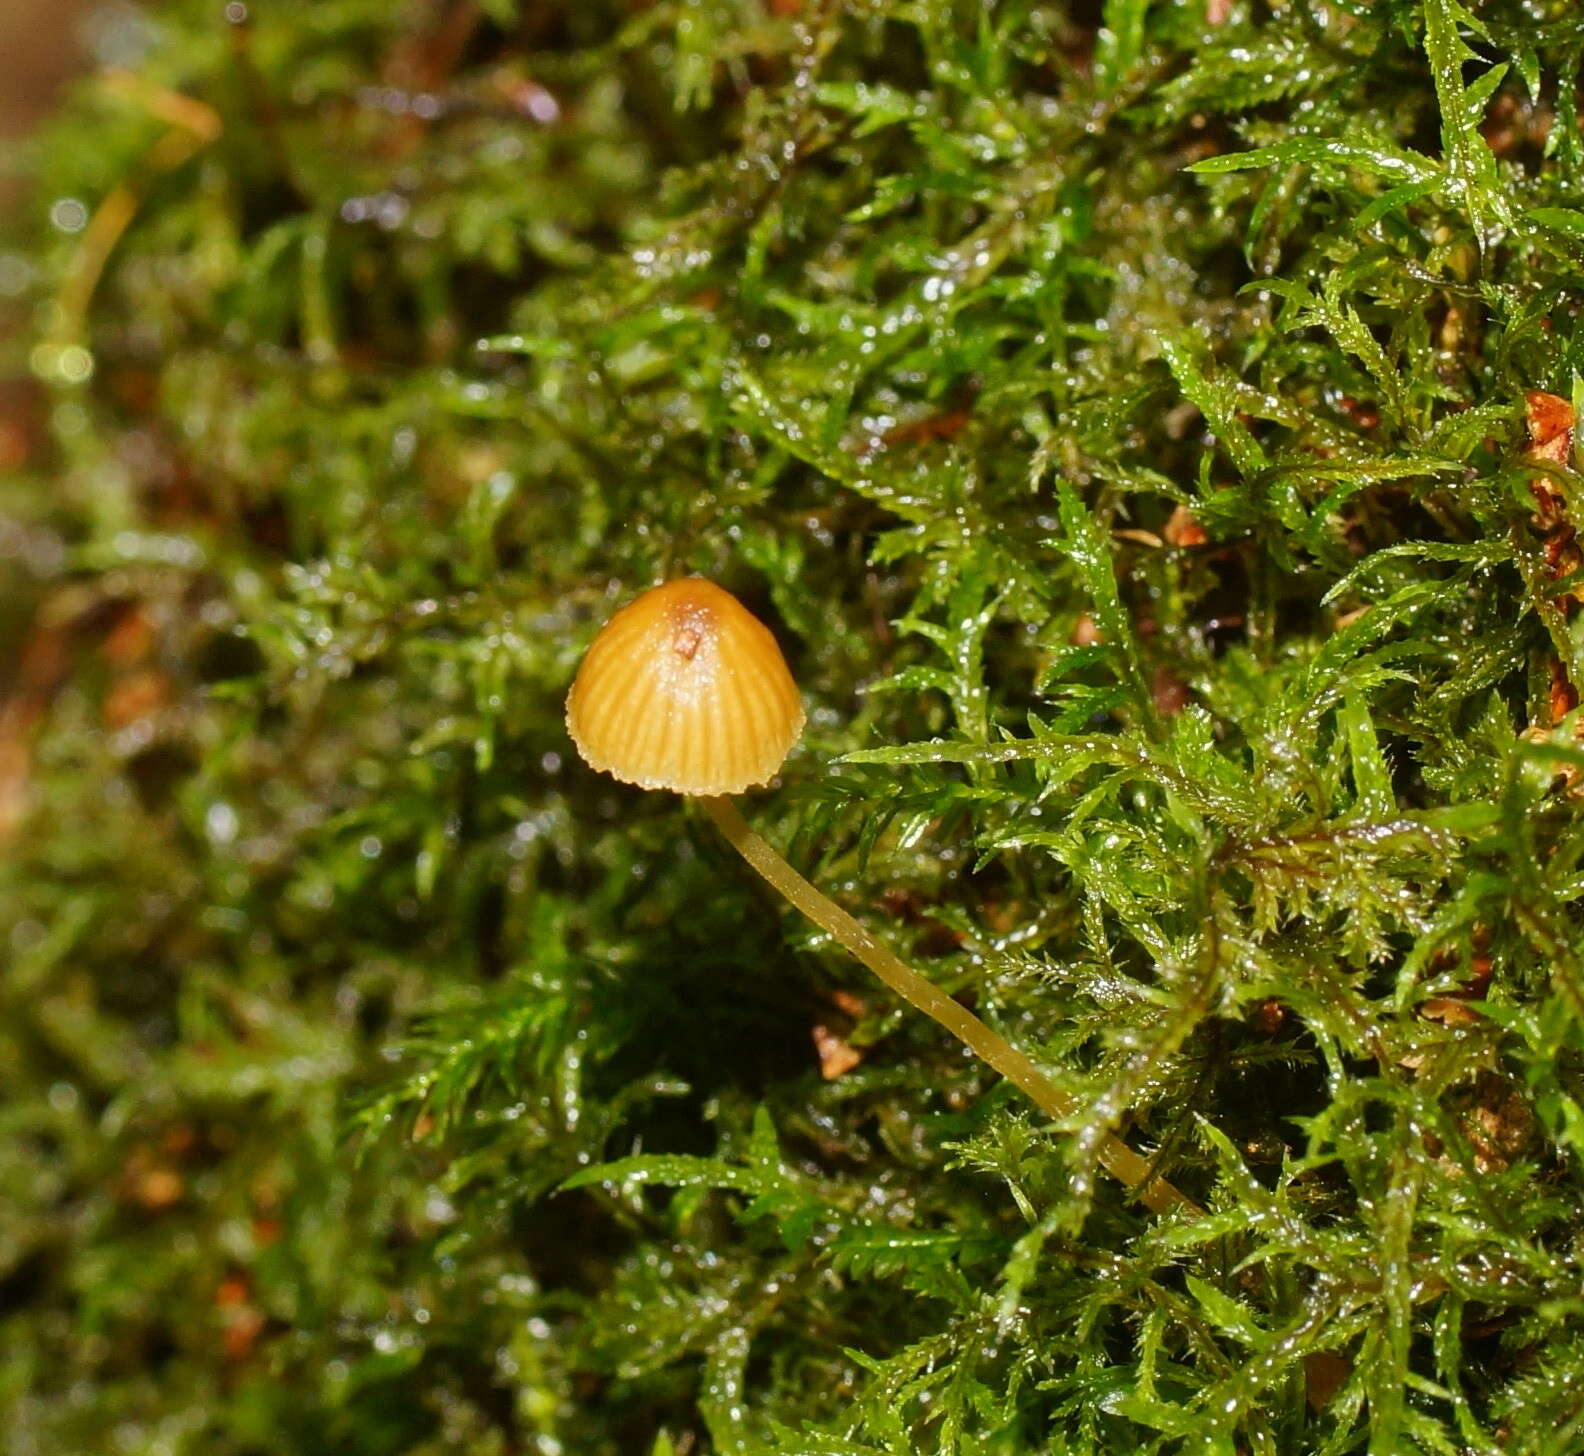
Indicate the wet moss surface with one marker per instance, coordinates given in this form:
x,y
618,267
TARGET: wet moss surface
x,y
1147,429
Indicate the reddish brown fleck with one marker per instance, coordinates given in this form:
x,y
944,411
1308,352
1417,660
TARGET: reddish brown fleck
x,y
1269,1017
1183,529
1564,696
135,697
944,426
1364,415
1170,692
267,1231
130,640
232,1290
159,1189
1325,1373
851,1004
242,1328
837,1058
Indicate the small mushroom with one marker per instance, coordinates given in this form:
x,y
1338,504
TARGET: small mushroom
x,y
684,689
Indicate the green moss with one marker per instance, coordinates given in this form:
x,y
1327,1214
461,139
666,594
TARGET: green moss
x,y
1119,412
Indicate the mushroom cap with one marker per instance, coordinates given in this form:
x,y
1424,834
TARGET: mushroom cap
x,y
685,689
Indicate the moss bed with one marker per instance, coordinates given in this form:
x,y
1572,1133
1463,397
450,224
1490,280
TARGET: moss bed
x,y
1147,428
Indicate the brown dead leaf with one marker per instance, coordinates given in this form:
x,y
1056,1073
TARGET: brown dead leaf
x,y
1551,420
1499,1124
1449,1011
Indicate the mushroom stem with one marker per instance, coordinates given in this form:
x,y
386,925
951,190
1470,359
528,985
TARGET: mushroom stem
x,y
1115,1155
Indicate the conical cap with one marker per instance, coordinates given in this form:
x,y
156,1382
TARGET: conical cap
x,y
685,689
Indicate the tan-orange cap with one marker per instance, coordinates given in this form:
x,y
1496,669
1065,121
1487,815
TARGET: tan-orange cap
x,y
685,689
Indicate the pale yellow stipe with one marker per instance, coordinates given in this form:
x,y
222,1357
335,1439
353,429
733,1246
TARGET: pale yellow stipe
x,y
1115,1155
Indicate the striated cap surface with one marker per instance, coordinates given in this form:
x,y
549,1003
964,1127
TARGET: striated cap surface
x,y
685,689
